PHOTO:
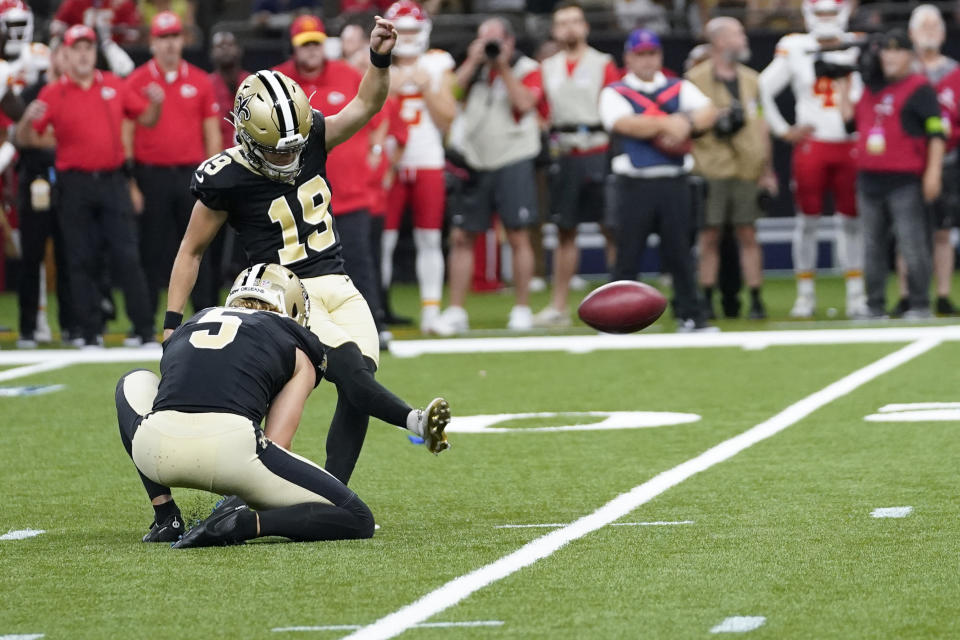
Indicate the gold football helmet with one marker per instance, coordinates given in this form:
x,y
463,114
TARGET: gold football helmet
x,y
276,286
273,117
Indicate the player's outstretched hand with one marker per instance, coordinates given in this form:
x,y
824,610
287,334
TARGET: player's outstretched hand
x,y
384,36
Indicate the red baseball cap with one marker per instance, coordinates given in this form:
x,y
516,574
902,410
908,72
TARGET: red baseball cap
x,y
307,29
78,32
165,23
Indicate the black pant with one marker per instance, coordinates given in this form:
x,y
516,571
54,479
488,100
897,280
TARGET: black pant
x,y
354,228
95,214
35,228
661,205
167,204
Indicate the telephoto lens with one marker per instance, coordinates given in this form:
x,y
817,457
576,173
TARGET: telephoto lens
x,y
492,49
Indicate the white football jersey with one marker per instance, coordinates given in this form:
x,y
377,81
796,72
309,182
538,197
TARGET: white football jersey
x,y
33,60
424,148
817,103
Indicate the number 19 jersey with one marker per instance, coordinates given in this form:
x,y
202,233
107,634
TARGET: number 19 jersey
x,y
286,223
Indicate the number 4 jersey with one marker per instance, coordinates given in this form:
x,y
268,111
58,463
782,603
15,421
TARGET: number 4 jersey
x,y
286,223
817,102
231,360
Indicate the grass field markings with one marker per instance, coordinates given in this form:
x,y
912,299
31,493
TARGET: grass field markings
x,y
743,339
422,625
891,512
30,390
21,534
31,369
79,356
23,636
739,624
456,590
657,523
606,420
917,412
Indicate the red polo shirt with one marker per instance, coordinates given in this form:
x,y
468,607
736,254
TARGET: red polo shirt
x,y
177,138
86,122
347,170
92,12
224,96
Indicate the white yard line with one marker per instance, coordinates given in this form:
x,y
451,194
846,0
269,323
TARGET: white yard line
x,y
422,625
603,342
31,369
739,624
555,525
460,588
22,534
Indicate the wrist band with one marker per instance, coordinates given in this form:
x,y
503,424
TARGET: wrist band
x,y
172,320
380,60
128,166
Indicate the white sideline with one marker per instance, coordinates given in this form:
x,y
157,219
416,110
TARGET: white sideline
x,y
31,369
460,588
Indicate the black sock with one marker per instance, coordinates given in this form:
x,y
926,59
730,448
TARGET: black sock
x,y
755,294
247,525
708,294
318,521
163,511
348,429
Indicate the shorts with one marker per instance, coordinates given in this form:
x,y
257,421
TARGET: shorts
x,y
819,167
731,201
424,191
576,189
339,314
943,208
509,191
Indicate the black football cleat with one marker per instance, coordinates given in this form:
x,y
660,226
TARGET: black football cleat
x,y
219,529
167,531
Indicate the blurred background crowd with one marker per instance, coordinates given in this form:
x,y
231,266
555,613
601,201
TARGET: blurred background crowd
x,y
514,167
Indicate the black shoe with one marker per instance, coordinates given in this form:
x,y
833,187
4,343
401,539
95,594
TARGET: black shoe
x,y
398,321
757,311
945,307
167,531
221,528
902,307
731,307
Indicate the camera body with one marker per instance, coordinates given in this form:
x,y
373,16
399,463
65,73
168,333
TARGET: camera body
x,y
730,120
826,69
492,49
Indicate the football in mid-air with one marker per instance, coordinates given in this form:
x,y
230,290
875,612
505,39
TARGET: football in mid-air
x,y
623,306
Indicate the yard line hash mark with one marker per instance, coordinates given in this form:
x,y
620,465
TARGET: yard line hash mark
x,y
739,624
460,588
20,534
23,636
891,512
422,625
556,525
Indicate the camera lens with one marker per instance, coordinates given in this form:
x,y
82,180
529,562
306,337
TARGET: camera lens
x,y
492,49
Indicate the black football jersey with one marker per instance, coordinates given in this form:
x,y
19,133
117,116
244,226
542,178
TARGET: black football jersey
x,y
231,360
289,224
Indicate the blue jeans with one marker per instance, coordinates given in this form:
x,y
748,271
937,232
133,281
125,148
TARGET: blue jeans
x,y
896,205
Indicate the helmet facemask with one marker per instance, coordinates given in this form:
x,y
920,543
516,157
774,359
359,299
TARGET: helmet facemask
x,y
253,152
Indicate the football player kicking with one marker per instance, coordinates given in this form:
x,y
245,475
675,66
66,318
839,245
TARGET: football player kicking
x,y
273,191
197,425
823,151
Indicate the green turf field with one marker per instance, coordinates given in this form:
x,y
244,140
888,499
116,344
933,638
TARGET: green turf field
x,y
780,531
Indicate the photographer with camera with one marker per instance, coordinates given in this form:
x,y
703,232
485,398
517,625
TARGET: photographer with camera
x,y
733,157
498,134
900,148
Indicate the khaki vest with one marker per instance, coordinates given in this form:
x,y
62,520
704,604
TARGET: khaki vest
x,y
492,136
574,98
743,155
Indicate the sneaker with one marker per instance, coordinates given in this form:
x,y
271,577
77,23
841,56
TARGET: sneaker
x,y
691,325
521,319
857,307
757,311
43,334
551,318
803,307
433,420
945,307
219,529
93,343
902,307
26,343
537,284
918,314
385,338
167,531
428,315
578,284
452,321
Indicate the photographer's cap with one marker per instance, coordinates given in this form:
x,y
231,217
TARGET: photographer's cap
x,y
642,40
896,39
307,29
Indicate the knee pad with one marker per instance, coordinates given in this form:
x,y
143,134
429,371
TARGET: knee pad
x,y
138,389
